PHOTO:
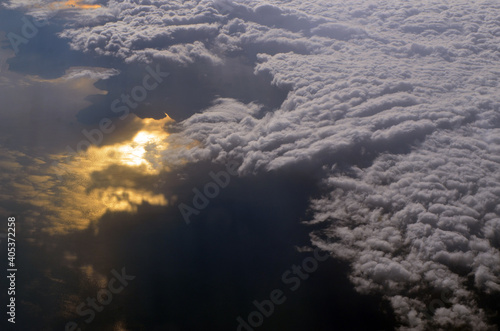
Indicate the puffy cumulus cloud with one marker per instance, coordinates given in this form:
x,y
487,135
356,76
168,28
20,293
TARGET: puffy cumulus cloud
x,y
402,101
421,222
185,31
399,99
360,85
183,54
147,27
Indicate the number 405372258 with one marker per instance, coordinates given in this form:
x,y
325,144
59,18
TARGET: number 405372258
x,y
11,241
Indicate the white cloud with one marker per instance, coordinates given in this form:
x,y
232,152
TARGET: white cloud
x,y
438,204
76,73
411,86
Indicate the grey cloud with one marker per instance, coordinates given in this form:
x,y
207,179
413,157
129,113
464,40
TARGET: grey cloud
x,y
432,220
400,101
338,31
182,54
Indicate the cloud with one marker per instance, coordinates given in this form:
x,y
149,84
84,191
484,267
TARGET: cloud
x,y
182,54
398,101
143,26
161,28
407,117
77,73
408,216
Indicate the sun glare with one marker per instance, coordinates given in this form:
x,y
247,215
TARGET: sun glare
x,y
133,152
140,155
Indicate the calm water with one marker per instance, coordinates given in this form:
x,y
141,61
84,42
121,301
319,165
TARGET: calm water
x,y
201,276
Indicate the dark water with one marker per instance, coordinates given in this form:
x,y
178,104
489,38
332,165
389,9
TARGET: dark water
x,y
201,276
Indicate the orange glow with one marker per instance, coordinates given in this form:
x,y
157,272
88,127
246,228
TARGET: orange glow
x,y
84,202
79,4
58,5
133,153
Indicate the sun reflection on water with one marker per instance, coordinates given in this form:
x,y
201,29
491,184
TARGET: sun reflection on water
x,y
112,177
134,152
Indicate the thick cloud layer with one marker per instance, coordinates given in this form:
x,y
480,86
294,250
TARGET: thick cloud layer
x,y
398,99
422,222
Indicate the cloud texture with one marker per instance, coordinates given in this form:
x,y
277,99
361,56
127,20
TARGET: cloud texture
x,y
397,100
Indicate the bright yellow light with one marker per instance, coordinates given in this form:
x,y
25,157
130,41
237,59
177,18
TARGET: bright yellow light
x,y
144,137
133,152
84,201
133,156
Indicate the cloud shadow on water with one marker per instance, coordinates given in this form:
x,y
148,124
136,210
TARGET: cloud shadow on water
x,y
204,275
186,91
